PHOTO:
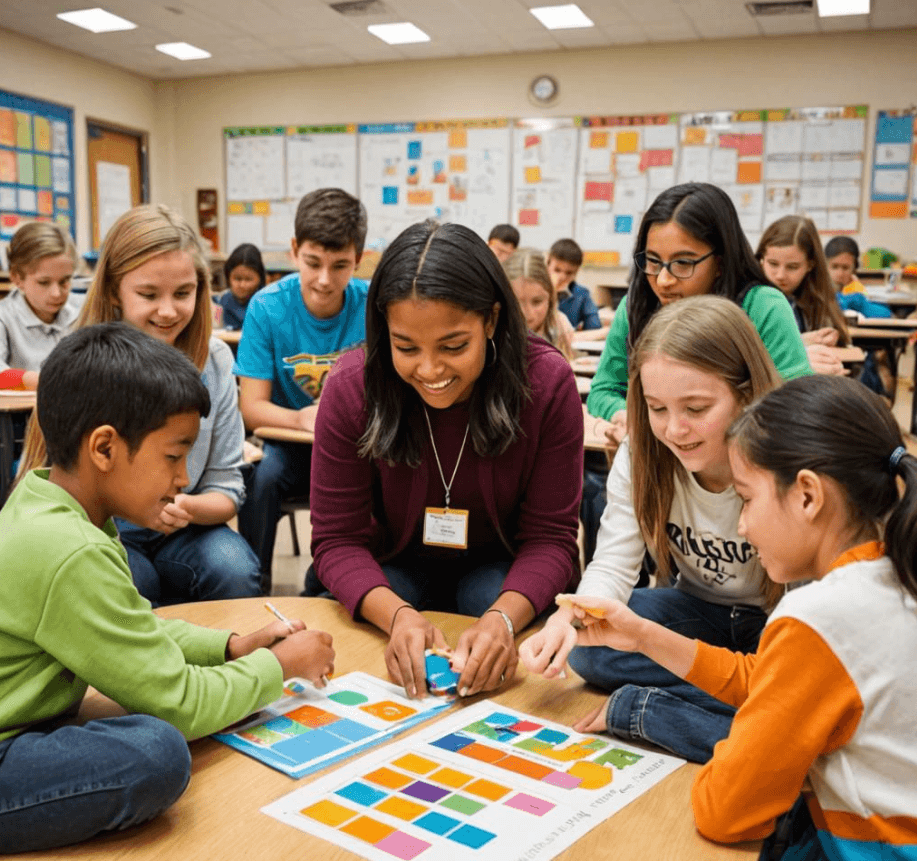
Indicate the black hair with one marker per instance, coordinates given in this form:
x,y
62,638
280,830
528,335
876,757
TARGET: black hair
x,y
842,245
567,250
708,214
442,263
248,255
331,218
505,233
112,374
836,427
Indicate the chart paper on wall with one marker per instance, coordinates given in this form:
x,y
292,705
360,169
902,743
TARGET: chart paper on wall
x,y
486,782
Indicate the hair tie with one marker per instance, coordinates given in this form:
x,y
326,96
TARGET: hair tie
x,y
895,458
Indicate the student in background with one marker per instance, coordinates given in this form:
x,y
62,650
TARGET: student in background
x,y
503,241
574,300
690,242
694,368
791,256
38,312
528,276
294,332
119,411
829,697
843,256
153,275
447,462
245,275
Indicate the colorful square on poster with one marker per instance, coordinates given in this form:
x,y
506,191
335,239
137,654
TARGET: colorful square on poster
x,y
388,778
25,168
45,202
458,163
533,174
23,130
390,195
42,134
530,804
598,140
749,172
43,171
329,813
7,165
425,791
487,789
415,150
401,845
528,217
360,793
458,139
624,223
460,804
401,808
438,823
598,191
472,837
627,141
7,128
415,764
453,742
450,777
368,830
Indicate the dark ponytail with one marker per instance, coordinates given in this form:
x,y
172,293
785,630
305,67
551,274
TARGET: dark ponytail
x,y
836,427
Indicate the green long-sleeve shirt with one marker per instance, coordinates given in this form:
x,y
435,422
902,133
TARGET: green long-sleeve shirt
x,y
71,617
768,310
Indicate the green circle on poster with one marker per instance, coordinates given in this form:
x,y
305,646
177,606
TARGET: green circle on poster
x,y
348,698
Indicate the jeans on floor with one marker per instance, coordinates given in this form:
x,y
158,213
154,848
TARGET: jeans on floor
x,y
197,563
71,783
468,583
282,473
650,703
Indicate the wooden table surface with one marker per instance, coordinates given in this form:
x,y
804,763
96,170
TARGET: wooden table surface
x,y
218,817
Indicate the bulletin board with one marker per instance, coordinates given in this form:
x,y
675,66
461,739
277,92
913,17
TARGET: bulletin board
x,y
454,171
893,188
269,168
36,163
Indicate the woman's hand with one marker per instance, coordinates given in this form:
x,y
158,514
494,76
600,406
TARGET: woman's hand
x,y
824,361
545,652
410,637
485,656
827,336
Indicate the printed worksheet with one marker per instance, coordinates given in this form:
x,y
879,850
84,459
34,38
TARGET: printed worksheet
x,y
485,782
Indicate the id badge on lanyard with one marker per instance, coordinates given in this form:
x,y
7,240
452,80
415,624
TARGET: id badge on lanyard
x,y
446,527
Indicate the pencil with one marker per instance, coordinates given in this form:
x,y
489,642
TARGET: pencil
x,y
272,609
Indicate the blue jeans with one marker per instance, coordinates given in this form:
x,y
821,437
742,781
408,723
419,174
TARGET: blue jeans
x,y
467,584
650,703
282,473
67,784
197,563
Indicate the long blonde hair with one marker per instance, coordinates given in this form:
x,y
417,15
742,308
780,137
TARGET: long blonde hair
x,y
136,237
35,241
712,334
529,263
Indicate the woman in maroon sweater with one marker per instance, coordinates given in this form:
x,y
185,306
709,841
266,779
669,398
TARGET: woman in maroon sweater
x,y
447,466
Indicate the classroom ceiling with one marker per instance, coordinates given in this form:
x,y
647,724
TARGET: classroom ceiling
x,y
268,35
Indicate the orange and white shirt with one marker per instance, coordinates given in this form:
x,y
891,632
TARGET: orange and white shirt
x,y
831,694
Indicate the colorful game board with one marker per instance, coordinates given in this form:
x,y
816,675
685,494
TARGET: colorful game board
x,y
486,782
308,728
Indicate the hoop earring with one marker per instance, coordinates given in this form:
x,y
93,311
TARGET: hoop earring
x,y
494,345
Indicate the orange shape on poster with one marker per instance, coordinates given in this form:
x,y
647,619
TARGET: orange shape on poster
x,y
749,172
593,776
388,710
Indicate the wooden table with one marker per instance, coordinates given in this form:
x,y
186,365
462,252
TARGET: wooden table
x,y
218,816
585,365
613,294
10,403
849,355
589,346
591,335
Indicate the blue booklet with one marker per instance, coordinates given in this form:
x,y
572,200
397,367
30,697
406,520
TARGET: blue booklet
x,y
309,728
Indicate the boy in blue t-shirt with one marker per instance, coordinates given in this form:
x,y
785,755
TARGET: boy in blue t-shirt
x,y
574,300
293,333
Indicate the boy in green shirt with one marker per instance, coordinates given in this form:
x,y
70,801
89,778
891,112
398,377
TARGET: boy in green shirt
x,y
71,617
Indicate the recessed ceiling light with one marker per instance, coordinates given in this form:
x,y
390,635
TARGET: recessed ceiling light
x,y
97,20
562,17
183,51
828,8
398,34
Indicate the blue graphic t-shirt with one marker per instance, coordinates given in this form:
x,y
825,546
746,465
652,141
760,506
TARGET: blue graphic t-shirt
x,y
283,342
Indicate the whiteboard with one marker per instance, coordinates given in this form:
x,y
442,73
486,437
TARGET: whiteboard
x,y
451,171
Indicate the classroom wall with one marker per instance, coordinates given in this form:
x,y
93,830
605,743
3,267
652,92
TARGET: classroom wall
x,y
93,90
877,68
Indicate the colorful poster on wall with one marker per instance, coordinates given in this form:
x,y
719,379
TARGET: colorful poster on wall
x,y
624,162
893,189
36,163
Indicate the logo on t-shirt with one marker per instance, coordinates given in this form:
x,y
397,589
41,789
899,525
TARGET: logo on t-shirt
x,y
311,371
713,556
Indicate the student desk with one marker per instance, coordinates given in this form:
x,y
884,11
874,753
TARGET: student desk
x,y
585,365
218,816
10,403
583,385
589,346
613,294
230,336
590,335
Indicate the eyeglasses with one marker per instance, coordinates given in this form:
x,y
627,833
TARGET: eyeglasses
x,y
680,269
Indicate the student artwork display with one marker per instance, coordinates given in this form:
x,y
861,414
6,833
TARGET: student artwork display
x,y
624,162
544,174
454,171
309,728
487,782
36,163
591,178
893,190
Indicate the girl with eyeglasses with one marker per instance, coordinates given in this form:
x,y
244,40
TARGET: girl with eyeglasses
x,y
691,243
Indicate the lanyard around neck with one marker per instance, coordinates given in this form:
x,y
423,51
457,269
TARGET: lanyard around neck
x,y
447,487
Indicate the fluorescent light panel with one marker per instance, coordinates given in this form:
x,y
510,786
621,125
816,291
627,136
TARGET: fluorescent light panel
x,y
830,8
97,20
566,17
182,51
398,34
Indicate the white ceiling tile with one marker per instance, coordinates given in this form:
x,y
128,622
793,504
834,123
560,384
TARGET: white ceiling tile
x,y
787,25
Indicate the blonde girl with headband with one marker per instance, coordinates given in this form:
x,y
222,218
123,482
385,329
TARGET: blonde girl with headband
x,y
153,275
829,497
698,362
39,310
529,278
